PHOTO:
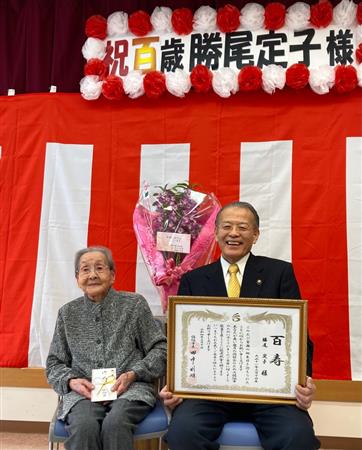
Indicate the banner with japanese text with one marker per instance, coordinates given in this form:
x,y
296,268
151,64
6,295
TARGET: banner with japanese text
x,y
313,47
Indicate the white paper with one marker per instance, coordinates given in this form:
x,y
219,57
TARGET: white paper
x,y
103,380
198,197
173,242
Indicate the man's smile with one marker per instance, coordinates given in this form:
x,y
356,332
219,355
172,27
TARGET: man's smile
x,y
236,233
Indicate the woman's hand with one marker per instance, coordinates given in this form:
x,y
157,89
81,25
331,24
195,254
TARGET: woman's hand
x,y
81,386
123,382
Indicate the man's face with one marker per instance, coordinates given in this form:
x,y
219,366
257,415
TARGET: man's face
x,y
236,233
95,277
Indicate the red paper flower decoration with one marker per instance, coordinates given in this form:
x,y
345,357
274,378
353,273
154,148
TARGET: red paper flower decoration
x,y
139,23
96,27
201,78
321,14
359,13
182,20
297,76
359,52
112,87
228,18
154,83
96,66
345,79
274,16
250,78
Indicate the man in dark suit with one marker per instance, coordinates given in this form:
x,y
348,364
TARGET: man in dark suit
x,y
196,424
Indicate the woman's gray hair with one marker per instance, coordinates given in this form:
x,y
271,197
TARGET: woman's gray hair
x,y
241,205
97,248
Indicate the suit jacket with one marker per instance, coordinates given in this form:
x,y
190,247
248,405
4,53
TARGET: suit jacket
x,y
263,278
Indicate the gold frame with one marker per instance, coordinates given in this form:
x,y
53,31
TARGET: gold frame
x,y
246,304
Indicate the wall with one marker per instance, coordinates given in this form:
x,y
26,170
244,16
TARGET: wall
x,y
38,405
336,412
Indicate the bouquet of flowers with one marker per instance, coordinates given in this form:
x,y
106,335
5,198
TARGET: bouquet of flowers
x,y
174,226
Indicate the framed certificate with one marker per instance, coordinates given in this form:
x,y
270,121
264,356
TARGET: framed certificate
x,y
250,350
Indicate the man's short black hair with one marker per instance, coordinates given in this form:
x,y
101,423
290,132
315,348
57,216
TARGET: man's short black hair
x,y
241,205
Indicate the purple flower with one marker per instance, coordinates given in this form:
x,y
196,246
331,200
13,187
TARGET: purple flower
x,y
176,213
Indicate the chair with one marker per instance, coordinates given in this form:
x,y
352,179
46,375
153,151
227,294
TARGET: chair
x,y
154,425
239,436
235,435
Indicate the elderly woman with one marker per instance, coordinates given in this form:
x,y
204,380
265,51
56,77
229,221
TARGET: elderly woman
x,y
104,329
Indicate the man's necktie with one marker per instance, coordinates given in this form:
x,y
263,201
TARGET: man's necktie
x,y
233,286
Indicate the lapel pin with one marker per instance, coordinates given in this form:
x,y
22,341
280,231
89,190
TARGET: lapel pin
x,y
259,282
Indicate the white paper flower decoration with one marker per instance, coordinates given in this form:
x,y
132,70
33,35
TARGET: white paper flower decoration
x,y
321,79
133,84
161,19
252,16
117,23
93,48
90,87
225,82
297,16
178,83
359,75
204,19
358,34
344,14
273,78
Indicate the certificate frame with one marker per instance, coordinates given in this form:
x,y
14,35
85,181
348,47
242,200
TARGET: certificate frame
x,y
246,349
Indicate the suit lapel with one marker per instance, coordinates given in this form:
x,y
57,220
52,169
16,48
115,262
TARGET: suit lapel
x,y
215,286
252,278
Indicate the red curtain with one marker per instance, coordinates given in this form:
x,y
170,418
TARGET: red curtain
x,y
318,127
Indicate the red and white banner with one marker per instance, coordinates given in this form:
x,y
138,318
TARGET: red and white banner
x,y
71,171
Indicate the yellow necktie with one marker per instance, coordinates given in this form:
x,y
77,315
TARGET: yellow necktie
x,y
233,286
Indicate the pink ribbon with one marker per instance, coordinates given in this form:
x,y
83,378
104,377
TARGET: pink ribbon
x,y
172,274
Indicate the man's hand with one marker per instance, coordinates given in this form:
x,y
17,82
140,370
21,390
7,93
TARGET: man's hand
x,y
305,394
123,382
169,399
81,386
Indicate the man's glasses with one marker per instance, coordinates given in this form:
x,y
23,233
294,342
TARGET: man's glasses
x,y
87,270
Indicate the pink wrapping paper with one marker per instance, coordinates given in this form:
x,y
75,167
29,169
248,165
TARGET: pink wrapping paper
x,y
166,268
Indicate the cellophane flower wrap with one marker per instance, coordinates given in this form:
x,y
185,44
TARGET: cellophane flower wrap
x,y
174,227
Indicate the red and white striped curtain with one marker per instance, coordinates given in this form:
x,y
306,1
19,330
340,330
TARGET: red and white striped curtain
x,y
71,172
